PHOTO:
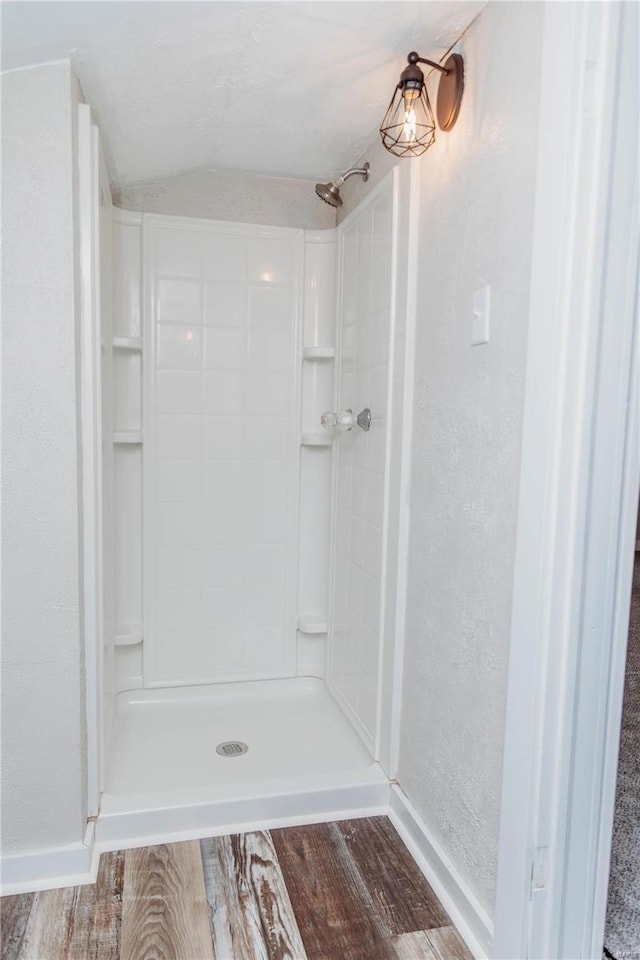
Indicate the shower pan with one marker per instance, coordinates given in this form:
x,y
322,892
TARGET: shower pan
x,y
255,548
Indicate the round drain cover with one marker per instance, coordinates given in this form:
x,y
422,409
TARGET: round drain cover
x,y
231,748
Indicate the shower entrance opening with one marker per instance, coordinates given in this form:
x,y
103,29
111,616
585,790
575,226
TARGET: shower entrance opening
x,y
255,551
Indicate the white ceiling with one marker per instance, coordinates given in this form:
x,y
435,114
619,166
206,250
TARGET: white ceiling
x,y
282,88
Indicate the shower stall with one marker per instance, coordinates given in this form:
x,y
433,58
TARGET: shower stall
x,y
252,558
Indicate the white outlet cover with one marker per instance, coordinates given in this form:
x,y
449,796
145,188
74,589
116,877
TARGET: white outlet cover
x,y
480,325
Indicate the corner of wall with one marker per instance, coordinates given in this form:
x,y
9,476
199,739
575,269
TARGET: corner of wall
x,y
355,190
43,753
75,100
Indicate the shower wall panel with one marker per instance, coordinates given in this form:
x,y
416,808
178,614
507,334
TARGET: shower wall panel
x,y
222,396
127,460
366,311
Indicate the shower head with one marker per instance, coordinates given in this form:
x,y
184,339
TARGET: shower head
x,y
330,192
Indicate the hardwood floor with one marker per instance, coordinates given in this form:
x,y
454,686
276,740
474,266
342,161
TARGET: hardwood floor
x,y
331,891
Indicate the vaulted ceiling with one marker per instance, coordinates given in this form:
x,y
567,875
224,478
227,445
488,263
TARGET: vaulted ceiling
x,y
282,88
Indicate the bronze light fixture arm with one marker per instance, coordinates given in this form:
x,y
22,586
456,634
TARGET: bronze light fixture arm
x,y
414,58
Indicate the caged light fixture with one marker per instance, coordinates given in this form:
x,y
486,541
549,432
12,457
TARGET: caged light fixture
x,y
409,128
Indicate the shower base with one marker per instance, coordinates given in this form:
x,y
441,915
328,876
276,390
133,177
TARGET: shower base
x,y
166,781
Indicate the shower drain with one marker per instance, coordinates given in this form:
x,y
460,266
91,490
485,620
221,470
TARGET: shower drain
x,y
231,748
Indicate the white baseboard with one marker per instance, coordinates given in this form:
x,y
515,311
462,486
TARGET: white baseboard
x,y
70,866
470,919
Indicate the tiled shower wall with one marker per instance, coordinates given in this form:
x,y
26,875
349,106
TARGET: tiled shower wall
x,y
220,451
365,307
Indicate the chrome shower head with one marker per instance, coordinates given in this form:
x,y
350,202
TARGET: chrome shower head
x,y
330,192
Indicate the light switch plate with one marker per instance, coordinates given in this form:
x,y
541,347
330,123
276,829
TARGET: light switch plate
x,y
480,325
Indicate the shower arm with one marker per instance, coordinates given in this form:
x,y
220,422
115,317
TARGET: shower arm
x,y
360,171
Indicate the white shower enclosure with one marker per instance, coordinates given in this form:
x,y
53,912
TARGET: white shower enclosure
x,y
222,306
255,558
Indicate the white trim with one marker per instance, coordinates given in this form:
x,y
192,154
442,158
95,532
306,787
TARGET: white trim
x,y
127,218
469,918
328,235
90,452
612,497
70,866
333,508
198,224
389,467
103,281
401,425
561,635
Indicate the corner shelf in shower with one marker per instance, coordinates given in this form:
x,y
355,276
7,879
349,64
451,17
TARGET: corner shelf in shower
x,y
318,353
128,436
316,440
129,635
310,624
132,344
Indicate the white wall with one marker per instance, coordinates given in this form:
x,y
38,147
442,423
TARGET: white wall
x,y
230,195
476,220
43,803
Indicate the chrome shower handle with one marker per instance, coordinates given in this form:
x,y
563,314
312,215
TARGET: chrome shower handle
x,y
338,421
346,420
364,419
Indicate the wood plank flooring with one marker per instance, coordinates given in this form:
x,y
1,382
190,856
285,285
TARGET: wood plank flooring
x,y
331,891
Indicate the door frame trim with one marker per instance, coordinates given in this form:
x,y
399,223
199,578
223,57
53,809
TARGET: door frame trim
x,y
567,655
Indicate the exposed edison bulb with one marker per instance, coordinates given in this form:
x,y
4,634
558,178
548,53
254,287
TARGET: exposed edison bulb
x,y
410,128
411,93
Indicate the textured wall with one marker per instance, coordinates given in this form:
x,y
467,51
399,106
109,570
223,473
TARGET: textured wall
x,y
477,188
227,195
477,222
42,708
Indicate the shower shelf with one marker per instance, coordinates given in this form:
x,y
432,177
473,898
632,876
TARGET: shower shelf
x,y
307,623
128,436
130,635
127,343
316,440
318,353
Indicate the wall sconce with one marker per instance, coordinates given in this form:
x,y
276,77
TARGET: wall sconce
x,y
409,129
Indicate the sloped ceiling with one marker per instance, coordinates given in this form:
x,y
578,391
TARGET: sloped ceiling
x,y
282,88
